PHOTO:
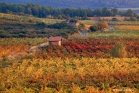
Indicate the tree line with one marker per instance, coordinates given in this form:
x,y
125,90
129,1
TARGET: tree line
x,y
47,11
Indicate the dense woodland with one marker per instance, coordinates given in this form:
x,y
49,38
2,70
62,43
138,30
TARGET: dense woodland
x,y
80,3
47,11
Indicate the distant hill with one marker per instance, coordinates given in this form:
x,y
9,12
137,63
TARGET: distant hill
x,y
81,3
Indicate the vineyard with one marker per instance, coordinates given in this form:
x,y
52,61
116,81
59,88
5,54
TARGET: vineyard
x,y
127,27
78,66
16,19
90,47
25,41
97,62
86,47
70,75
114,34
124,22
11,49
15,26
10,46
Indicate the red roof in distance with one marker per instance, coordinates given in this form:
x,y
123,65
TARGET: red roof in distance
x,y
56,38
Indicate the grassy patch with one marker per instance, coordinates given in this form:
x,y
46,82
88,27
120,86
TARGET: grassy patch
x,y
123,22
114,33
87,22
26,41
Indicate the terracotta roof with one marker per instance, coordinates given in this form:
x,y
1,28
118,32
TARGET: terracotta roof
x,y
56,38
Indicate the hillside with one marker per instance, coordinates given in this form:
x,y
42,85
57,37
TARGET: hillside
x,y
81,3
28,26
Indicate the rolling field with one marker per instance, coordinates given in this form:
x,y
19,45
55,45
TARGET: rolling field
x,y
124,23
83,64
28,26
127,27
114,33
12,19
78,66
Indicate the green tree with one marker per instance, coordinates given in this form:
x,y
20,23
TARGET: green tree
x,y
29,8
130,13
106,12
35,11
114,12
29,11
97,12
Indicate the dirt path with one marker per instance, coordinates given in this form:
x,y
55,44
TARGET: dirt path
x,y
30,51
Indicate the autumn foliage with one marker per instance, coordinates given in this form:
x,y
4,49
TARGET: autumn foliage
x,y
78,66
6,50
90,47
70,75
100,26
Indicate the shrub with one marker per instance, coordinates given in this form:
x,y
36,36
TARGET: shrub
x,y
133,19
61,26
5,35
81,27
73,21
114,19
126,19
40,24
119,50
101,26
93,28
136,86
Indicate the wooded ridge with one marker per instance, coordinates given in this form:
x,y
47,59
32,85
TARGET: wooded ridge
x,y
80,3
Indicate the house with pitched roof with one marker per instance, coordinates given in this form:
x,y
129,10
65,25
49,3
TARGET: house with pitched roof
x,y
56,40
